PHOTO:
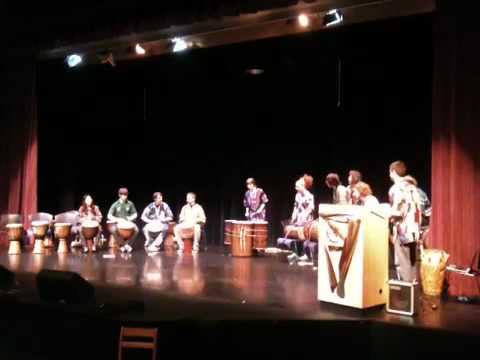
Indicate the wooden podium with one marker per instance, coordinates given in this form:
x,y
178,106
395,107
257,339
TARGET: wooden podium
x,y
353,255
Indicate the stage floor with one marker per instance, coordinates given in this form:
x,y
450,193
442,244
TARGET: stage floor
x,y
215,286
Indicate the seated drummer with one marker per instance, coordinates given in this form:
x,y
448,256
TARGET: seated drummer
x,y
304,206
124,209
160,212
254,201
89,211
191,216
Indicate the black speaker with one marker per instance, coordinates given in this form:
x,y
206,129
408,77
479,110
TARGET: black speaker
x,y
7,279
64,286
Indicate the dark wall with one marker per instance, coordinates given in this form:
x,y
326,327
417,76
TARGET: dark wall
x,y
196,122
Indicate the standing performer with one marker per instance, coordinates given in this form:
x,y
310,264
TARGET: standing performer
x,y
191,216
89,211
124,209
254,201
354,176
339,192
405,219
157,211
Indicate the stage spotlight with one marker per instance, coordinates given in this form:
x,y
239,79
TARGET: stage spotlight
x,y
303,20
254,71
74,60
179,44
140,50
333,17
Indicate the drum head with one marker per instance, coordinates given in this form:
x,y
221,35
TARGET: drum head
x,y
63,225
154,226
125,224
14,226
90,224
39,223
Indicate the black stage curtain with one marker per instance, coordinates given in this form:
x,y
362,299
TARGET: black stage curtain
x,y
197,122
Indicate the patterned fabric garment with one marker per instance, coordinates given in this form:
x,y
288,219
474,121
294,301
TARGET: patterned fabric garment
x,y
153,212
405,200
303,208
252,200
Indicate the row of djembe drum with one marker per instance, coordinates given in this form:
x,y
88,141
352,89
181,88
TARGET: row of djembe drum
x,y
62,231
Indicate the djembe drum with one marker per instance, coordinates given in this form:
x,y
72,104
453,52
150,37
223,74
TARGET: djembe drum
x,y
432,271
187,234
260,235
111,227
15,234
242,238
90,229
154,229
62,232
39,229
125,230
228,232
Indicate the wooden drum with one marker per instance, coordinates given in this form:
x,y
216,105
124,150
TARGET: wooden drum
x,y
125,230
242,238
228,232
90,229
187,234
260,231
39,229
15,234
62,232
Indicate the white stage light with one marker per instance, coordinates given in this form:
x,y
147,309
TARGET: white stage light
x,y
140,50
303,20
179,44
74,60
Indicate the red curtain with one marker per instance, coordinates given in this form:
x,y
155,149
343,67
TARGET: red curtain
x,y
456,141
18,140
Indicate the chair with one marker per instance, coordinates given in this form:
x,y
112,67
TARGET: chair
x,y
129,339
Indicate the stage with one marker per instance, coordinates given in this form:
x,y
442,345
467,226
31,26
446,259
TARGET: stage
x,y
210,296
176,287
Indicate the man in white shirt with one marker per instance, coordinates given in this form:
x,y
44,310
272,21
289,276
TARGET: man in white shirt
x,y
191,216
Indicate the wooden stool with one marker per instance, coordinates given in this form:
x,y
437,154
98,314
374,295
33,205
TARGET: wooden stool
x,y
150,342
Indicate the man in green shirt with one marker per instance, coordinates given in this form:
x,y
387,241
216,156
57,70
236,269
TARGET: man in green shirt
x,y
124,210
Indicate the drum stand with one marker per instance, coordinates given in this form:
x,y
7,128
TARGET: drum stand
x,y
112,242
38,248
15,248
62,246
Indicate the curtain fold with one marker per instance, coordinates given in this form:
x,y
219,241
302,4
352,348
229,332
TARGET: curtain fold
x,y
456,141
18,137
